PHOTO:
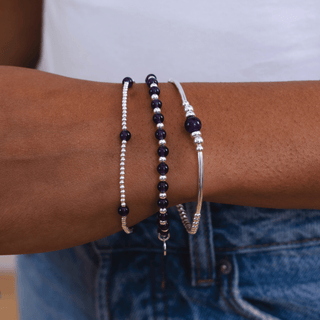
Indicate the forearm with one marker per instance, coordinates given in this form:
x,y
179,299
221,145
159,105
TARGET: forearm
x,y
60,153
20,32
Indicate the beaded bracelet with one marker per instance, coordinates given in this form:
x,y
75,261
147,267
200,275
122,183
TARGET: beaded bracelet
x,y
193,126
156,104
125,136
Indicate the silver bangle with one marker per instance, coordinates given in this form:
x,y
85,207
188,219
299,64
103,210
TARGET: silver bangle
x,y
193,126
125,136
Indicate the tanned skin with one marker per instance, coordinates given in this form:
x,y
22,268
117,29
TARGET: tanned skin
x,y
60,146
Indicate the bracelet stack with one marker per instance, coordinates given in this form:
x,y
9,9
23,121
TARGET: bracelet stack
x,y
125,136
162,168
193,126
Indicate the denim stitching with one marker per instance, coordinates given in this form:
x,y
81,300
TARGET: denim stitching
x,y
266,245
207,243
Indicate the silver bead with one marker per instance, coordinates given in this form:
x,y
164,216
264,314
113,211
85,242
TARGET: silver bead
x,y
121,182
156,110
122,186
163,222
151,77
124,127
123,159
162,195
122,163
153,85
124,141
160,125
122,168
199,147
121,177
124,123
124,108
198,140
123,149
163,178
124,112
162,142
188,108
122,191
162,159
122,173
154,97
163,210
124,118
122,154
124,105
190,113
123,204
123,197
196,133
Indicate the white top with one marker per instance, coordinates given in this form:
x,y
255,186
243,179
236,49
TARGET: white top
x,y
202,40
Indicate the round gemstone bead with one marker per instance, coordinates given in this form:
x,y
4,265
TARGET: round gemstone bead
x,y
150,75
163,203
192,124
163,186
128,79
163,233
162,168
154,90
156,104
123,211
162,217
151,80
160,134
163,226
125,135
163,151
158,118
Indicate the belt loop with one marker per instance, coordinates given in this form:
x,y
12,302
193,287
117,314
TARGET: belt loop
x,y
201,247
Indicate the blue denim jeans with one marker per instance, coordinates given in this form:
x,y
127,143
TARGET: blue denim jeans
x,y
243,263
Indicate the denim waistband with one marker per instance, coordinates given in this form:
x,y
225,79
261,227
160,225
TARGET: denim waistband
x,y
223,229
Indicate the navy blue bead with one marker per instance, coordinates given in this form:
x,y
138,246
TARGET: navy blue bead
x,y
125,135
158,117
163,226
163,233
163,186
160,134
128,79
162,216
123,211
148,76
154,90
151,81
192,124
163,203
162,168
156,104
163,151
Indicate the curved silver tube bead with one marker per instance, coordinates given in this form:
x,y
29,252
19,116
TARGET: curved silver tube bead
x,y
192,228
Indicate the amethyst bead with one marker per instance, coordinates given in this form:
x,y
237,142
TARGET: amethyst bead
x,y
125,135
163,233
158,117
163,216
156,104
163,203
154,90
128,79
150,75
163,151
162,168
151,81
192,124
163,226
160,134
123,211
163,186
